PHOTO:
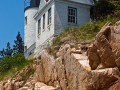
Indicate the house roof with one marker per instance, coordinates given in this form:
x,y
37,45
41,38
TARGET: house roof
x,y
88,2
43,4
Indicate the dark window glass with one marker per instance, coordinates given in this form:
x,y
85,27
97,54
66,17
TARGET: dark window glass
x,y
44,21
26,20
72,15
39,26
49,16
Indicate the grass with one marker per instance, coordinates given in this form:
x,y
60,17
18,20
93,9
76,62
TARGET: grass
x,y
79,34
11,72
27,74
83,33
9,65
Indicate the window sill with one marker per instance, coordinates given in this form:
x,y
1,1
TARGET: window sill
x,y
73,24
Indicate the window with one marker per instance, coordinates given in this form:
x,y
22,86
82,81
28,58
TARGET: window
x,y
25,48
26,20
72,15
39,26
49,16
44,21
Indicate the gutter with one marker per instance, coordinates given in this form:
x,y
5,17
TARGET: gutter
x,y
39,11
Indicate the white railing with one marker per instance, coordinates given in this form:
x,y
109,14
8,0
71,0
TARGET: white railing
x,y
30,50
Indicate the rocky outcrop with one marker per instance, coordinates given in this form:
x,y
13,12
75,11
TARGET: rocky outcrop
x,y
75,66
106,48
9,85
116,86
21,81
71,71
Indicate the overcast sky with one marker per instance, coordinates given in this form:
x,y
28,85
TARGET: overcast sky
x,y
11,20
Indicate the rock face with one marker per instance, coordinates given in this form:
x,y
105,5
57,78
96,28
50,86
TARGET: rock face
x,y
106,48
18,83
42,86
27,86
116,86
75,67
71,71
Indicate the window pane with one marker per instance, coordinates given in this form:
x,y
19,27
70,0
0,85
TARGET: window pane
x,y
49,16
72,15
26,20
44,21
39,26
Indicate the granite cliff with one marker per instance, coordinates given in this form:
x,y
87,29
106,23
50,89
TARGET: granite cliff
x,y
81,66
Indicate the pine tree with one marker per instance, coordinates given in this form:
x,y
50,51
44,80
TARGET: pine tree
x,y
8,50
3,53
102,9
19,45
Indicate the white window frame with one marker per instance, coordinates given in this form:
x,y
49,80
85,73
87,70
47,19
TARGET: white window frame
x,y
39,26
72,15
49,16
25,20
43,22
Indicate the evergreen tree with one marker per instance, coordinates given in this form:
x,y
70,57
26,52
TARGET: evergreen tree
x,y
116,4
3,53
102,9
8,50
19,45
95,1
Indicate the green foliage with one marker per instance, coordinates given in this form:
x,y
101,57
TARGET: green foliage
x,y
116,4
103,8
9,62
85,33
19,45
19,59
9,65
8,50
26,75
2,53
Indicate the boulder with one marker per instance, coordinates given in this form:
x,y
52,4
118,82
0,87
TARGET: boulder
x,y
38,85
24,88
18,85
47,88
42,86
8,85
116,86
1,85
103,78
94,59
106,48
71,71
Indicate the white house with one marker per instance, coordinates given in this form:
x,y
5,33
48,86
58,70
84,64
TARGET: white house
x,y
45,19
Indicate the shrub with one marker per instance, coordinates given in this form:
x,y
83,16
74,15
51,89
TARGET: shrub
x,y
19,59
83,33
9,62
103,8
80,34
